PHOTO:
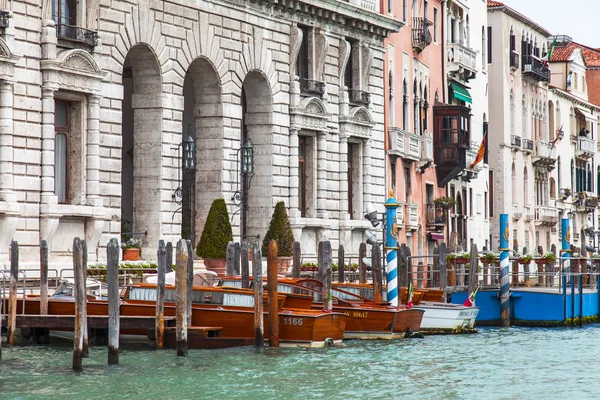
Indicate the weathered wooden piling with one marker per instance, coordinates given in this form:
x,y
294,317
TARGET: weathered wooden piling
x,y
362,267
181,259
420,275
272,269
112,265
190,281
244,264
236,259
230,259
341,263
1,317
435,275
12,292
525,269
159,327
297,260
443,271
515,265
86,342
80,304
473,267
43,277
325,260
376,273
169,257
259,321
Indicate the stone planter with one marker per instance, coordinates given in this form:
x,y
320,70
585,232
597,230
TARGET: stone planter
x,y
131,254
217,265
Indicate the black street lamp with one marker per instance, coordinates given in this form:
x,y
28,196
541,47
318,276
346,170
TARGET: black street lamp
x,y
245,157
186,172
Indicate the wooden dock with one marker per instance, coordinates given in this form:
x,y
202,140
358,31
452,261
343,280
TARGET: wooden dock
x,y
94,321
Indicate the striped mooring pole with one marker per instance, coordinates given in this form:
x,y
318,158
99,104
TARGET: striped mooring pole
x,y
566,246
391,206
504,278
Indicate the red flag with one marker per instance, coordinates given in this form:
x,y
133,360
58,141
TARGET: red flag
x,y
480,153
470,302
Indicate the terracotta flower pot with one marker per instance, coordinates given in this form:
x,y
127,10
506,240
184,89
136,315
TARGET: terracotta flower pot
x,y
461,260
131,254
217,265
523,262
540,261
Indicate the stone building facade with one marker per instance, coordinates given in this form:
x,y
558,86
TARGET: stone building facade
x,y
96,97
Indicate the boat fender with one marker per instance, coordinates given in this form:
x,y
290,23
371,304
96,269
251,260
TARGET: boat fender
x,y
329,342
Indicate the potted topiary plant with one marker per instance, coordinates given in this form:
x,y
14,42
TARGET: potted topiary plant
x,y
132,249
280,230
216,234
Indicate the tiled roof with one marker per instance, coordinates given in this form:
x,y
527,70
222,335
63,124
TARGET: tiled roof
x,y
590,55
492,3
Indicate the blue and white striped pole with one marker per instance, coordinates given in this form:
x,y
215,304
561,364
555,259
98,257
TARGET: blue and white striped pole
x,y
391,206
566,246
504,278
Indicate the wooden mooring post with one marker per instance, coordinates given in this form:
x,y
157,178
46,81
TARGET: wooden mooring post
x,y
272,267
443,271
181,260
473,273
80,304
245,264
112,265
12,292
376,273
159,325
341,263
362,268
297,267
230,259
86,341
325,261
236,258
190,281
259,320
169,257
43,277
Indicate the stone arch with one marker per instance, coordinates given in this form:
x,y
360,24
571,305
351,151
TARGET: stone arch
x,y
257,125
79,60
551,120
203,120
361,115
313,105
141,173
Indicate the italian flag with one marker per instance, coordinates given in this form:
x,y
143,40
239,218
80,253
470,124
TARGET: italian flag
x,y
409,303
470,302
548,56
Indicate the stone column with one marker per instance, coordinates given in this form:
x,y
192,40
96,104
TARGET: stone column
x,y
93,149
322,176
344,214
294,174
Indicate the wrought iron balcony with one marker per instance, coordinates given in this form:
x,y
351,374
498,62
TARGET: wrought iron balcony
x,y
515,141
77,34
516,212
421,37
527,145
544,155
546,215
586,147
436,216
359,97
312,87
4,17
461,56
513,59
534,68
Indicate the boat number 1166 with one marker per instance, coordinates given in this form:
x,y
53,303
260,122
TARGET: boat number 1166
x,y
292,321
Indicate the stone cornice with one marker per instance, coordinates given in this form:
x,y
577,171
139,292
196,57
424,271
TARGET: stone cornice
x,y
575,100
341,13
521,18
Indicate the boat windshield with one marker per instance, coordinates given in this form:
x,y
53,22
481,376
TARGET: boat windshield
x,y
198,297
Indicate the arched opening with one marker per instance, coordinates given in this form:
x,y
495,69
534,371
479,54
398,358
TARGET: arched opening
x,y
404,105
391,98
202,120
526,187
141,156
552,189
460,221
257,125
512,113
514,183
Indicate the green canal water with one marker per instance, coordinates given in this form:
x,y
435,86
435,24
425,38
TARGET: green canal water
x,y
515,363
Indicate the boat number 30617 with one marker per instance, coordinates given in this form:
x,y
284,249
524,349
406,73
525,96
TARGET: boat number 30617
x,y
292,321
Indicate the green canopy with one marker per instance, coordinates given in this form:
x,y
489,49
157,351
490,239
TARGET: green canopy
x,y
461,92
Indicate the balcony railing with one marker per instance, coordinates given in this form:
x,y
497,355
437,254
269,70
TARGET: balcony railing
x,y
528,213
427,151
546,214
544,155
412,147
527,145
4,16
396,141
400,215
77,34
586,147
359,97
412,211
514,59
515,141
312,87
516,212
421,37
436,215
535,68
460,55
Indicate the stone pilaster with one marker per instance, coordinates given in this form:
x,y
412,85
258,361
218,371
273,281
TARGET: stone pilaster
x,y
294,174
93,149
48,196
322,176
344,178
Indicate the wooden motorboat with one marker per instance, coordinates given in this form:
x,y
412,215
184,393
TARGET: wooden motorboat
x,y
366,318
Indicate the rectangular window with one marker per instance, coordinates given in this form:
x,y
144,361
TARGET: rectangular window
x,y
391,7
491,195
302,61
485,205
429,193
435,24
306,176
425,10
470,202
302,176
404,9
393,176
64,12
354,180
489,44
407,183
62,127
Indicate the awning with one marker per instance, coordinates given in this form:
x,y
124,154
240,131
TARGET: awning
x,y
436,236
461,92
588,116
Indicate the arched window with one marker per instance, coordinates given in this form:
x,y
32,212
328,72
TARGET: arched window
x,y
512,113
558,172
514,184
524,118
405,106
551,121
573,176
526,187
391,98
552,189
425,110
483,49
417,108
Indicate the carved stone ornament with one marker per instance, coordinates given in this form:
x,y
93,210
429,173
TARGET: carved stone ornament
x,y
295,43
78,60
321,46
367,62
344,57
